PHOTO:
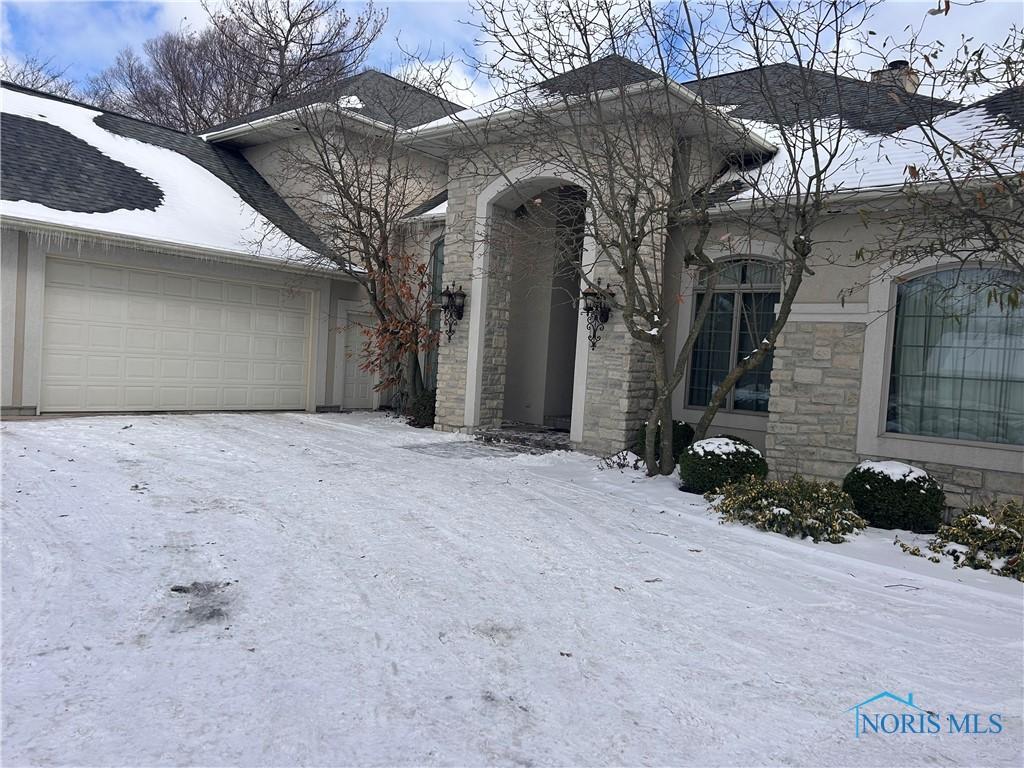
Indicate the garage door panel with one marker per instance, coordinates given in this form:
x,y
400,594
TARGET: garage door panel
x,y
140,368
177,313
63,302
116,338
174,369
291,349
102,398
67,273
172,397
57,334
104,306
176,286
237,319
144,309
103,367
106,337
141,339
143,282
60,365
208,343
176,342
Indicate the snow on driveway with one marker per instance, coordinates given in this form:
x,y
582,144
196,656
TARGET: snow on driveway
x,y
281,589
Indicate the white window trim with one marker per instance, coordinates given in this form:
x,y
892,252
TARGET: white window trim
x,y
872,439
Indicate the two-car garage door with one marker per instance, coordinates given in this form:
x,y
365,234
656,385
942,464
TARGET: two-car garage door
x,y
125,339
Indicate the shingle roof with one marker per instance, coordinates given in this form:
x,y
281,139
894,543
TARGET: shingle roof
x,y
385,99
786,93
428,205
604,74
29,148
64,163
227,165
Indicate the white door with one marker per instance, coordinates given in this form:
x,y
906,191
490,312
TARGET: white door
x,y
125,339
358,383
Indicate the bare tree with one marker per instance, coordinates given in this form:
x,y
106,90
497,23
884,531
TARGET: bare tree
x,y
667,174
40,74
354,182
962,197
255,54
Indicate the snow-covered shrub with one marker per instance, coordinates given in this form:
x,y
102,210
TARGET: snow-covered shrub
x,y
794,507
420,412
889,494
682,436
711,463
985,537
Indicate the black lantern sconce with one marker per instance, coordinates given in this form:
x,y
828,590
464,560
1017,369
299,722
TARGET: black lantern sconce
x,y
453,305
597,309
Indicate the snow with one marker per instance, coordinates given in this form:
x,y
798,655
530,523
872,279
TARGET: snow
x,y
721,446
372,594
894,470
198,210
860,160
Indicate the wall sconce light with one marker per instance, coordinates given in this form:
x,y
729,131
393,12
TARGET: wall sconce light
x,y
595,306
453,305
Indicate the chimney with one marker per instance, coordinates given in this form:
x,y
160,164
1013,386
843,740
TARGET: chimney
x,y
899,74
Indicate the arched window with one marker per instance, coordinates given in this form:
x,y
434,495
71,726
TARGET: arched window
x,y
957,359
742,312
436,277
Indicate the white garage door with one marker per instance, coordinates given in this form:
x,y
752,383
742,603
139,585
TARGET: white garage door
x,y
120,339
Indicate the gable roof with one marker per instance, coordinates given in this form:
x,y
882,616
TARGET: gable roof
x,y
798,93
612,71
376,96
70,165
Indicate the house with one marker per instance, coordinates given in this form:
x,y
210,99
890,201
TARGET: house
x,y
857,373
149,270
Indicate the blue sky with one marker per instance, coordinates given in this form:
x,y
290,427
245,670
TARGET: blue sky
x,y
85,35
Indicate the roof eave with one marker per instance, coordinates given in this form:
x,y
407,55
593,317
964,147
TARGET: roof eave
x,y
160,246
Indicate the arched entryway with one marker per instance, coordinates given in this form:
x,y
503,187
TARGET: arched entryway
x,y
528,351
543,247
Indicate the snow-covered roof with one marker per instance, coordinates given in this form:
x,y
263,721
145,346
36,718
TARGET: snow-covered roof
x,y
863,160
73,167
434,208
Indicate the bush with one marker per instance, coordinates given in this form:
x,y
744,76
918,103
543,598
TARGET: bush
x,y
889,494
794,507
682,436
711,463
989,538
420,411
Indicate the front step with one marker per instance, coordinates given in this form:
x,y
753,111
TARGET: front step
x,y
536,439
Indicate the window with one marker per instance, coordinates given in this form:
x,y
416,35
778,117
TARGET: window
x,y
436,276
742,311
957,359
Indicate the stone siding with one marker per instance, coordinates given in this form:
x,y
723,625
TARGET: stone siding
x,y
813,413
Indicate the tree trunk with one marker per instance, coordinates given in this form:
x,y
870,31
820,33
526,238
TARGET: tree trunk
x,y
668,450
412,378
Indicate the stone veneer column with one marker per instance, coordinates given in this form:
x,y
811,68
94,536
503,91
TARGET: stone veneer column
x,y
815,393
452,356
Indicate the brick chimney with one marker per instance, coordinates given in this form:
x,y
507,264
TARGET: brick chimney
x,y
899,74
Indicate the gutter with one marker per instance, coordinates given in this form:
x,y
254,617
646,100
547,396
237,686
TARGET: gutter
x,y
198,253
238,131
758,141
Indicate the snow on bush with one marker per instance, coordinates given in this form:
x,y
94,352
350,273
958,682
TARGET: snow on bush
x,y
988,538
889,494
711,463
794,507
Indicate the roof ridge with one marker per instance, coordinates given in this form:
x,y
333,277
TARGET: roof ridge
x,y
791,65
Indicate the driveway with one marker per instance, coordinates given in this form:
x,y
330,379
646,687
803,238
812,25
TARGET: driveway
x,y
277,589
